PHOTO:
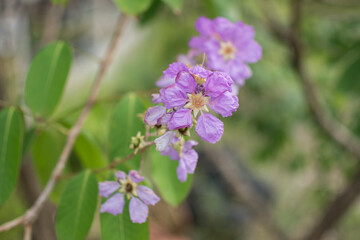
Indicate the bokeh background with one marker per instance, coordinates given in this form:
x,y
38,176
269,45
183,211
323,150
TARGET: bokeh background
x,y
275,149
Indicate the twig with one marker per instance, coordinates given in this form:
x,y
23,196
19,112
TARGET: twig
x,y
30,216
28,231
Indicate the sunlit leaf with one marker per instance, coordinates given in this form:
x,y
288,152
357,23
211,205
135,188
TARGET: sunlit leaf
x,y
163,172
11,141
175,5
47,77
132,7
125,124
77,207
120,227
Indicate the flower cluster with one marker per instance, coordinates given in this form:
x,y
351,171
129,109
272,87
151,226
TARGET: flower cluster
x,y
188,93
140,196
228,46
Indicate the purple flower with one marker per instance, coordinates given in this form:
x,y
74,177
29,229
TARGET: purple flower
x,y
185,154
228,46
193,91
140,196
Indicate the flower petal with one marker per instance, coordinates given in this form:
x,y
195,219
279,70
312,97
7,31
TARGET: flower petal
x,y
181,171
186,82
114,205
190,159
120,175
135,176
181,119
209,128
225,104
204,26
200,71
188,145
217,83
163,141
147,195
107,188
171,73
173,96
153,115
138,211
156,98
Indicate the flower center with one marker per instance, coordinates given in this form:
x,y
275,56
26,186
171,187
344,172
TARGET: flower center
x,y
227,50
197,102
199,80
129,188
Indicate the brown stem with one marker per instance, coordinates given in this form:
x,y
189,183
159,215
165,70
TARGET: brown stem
x,y
30,216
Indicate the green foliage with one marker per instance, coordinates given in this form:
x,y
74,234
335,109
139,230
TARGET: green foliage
x,y
47,77
90,155
46,149
349,80
59,1
125,123
133,7
175,5
163,171
77,207
11,141
120,227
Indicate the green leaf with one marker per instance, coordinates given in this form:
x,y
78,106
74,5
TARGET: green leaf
x,y
59,1
125,123
47,77
90,155
46,149
175,5
132,7
11,141
349,81
120,227
163,172
77,207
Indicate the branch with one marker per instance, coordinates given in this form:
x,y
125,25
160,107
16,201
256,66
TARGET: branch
x,y
228,169
338,133
31,215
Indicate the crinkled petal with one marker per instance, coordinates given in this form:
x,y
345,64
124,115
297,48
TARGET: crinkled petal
x,y
200,71
107,188
188,145
197,44
156,98
163,141
209,128
224,28
166,118
135,176
171,152
153,115
120,175
204,26
235,87
225,104
217,83
181,171
138,210
190,159
173,96
186,82
181,119
114,205
147,195
171,73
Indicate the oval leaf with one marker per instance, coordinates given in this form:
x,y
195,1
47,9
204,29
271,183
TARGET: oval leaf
x,y
11,141
77,207
47,77
120,227
163,172
175,5
349,81
132,7
125,123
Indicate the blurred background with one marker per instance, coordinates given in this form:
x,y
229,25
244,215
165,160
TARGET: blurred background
x,y
279,158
